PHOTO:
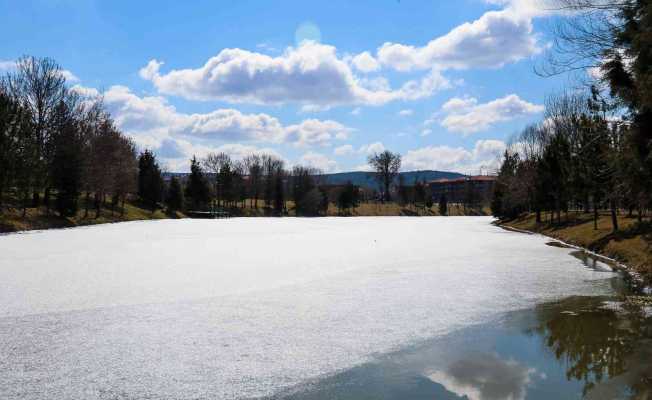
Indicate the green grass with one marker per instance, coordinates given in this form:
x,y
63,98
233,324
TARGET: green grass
x,y
631,245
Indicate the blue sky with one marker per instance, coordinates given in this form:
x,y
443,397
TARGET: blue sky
x,y
445,83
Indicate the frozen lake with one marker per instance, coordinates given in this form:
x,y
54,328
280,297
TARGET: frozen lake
x,y
242,308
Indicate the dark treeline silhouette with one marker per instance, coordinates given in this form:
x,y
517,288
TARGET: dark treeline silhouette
x,y
592,150
56,146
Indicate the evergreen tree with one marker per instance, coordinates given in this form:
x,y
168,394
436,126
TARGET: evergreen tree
x,y
150,180
174,198
66,162
348,198
197,187
443,205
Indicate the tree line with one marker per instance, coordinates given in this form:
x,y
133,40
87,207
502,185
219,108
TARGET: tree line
x,y
592,150
218,182
56,145
62,151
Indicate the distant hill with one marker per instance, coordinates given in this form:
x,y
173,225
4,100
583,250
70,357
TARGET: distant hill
x,y
366,179
360,178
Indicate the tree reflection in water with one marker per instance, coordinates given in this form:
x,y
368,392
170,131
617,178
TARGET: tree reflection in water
x,y
602,343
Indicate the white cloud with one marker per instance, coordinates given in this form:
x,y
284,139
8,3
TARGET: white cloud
x,y
311,74
69,76
318,161
175,153
493,40
356,111
484,156
371,148
426,132
365,62
316,132
151,120
343,150
86,91
405,113
10,65
362,167
457,104
529,8
7,65
467,116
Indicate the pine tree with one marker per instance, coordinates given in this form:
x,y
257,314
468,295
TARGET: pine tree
x,y
174,198
443,205
150,180
197,187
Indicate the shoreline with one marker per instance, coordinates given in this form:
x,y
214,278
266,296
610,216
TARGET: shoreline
x,y
639,282
13,222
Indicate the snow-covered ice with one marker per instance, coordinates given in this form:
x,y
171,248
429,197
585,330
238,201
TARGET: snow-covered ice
x,y
242,308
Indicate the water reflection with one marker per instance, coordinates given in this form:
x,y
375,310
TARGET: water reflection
x,y
592,261
485,376
604,344
580,347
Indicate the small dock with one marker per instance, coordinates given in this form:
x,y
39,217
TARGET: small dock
x,y
213,214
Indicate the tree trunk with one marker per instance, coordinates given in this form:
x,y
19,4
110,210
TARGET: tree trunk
x,y
538,214
46,200
97,206
614,216
86,202
595,217
25,200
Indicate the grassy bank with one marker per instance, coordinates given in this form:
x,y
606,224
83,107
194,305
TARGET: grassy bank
x,y
632,245
11,219
372,209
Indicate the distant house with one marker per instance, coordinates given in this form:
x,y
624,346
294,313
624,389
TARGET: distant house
x,y
467,190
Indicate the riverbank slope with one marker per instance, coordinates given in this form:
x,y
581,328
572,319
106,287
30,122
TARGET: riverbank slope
x,y
11,219
631,245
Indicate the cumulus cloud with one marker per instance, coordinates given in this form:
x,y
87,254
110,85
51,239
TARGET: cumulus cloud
x,y
316,132
343,150
310,74
10,65
152,117
69,76
493,40
175,153
7,65
466,116
371,148
365,62
405,113
318,161
485,157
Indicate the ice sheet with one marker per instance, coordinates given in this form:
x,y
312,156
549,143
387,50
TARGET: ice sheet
x,y
241,308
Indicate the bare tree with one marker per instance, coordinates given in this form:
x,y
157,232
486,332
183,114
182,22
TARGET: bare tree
x,y
386,165
39,86
216,164
254,167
